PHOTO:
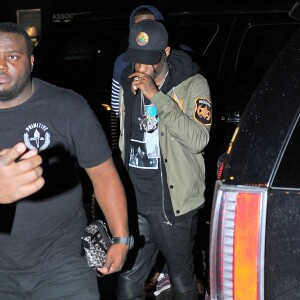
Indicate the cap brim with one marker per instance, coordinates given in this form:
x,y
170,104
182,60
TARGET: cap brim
x,y
146,57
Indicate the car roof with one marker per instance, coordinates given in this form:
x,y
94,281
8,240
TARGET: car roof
x,y
267,122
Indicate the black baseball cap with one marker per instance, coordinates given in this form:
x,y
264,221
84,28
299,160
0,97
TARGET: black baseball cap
x,y
147,41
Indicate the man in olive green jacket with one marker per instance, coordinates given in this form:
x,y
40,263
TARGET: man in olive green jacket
x,y
166,116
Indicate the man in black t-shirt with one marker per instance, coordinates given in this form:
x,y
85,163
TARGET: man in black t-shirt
x,y
40,234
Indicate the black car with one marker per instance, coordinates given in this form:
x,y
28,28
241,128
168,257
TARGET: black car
x,y
255,224
233,46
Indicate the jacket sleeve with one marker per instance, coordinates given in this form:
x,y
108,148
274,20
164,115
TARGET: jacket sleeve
x,y
186,113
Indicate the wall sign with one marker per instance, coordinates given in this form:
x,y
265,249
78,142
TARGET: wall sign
x,y
30,19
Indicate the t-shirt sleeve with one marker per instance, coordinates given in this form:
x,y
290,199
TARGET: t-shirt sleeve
x,y
90,142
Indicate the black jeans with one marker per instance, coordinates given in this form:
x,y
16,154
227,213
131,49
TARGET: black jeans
x,y
175,243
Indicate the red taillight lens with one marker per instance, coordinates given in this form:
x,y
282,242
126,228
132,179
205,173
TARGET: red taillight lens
x,y
246,246
220,170
236,250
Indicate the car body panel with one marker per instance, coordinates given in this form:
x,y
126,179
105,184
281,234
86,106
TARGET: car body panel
x,y
282,246
262,162
253,160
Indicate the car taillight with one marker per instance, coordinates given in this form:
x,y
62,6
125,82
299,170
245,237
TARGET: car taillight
x,y
237,243
220,169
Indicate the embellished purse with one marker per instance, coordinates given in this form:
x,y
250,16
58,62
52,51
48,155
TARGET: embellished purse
x,y
95,242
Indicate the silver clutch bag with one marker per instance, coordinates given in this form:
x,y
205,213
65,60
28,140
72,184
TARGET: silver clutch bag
x,y
95,242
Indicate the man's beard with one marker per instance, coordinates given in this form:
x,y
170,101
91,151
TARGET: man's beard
x,y
16,89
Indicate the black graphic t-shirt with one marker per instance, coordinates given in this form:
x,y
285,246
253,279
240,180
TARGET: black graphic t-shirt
x,y
44,229
144,161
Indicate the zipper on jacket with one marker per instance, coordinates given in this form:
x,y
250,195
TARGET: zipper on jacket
x,y
163,195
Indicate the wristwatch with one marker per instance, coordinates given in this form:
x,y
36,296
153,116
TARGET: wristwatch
x,y
124,240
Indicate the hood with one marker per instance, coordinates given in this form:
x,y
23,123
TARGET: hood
x,y
181,67
154,11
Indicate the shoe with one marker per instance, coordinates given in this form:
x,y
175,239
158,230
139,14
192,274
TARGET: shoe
x,y
163,283
150,287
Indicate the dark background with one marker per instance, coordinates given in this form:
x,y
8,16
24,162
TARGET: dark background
x,y
49,8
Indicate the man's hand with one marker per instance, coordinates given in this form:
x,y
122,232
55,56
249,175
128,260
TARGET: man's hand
x,y
145,83
20,173
116,257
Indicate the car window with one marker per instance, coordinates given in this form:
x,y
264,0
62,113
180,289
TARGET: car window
x,y
204,32
80,49
82,61
288,174
88,62
260,46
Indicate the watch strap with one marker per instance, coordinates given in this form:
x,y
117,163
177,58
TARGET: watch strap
x,y
124,240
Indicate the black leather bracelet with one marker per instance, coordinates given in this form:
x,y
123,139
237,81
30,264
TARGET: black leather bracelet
x,y
124,240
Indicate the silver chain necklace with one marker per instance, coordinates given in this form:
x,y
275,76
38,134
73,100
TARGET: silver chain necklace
x,y
143,122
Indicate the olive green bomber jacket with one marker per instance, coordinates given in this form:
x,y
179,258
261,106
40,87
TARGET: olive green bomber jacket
x,y
184,126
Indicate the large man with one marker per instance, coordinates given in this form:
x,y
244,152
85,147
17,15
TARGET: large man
x,y
40,234
168,115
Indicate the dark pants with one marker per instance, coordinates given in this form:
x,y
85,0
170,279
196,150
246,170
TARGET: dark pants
x,y
69,281
175,243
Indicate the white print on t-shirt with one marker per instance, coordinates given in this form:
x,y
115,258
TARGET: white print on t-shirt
x,y
37,137
151,140
139,157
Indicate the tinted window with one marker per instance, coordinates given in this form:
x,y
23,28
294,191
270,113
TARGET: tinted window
x,y
198,37
288,174
259,48
88,62
81,60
